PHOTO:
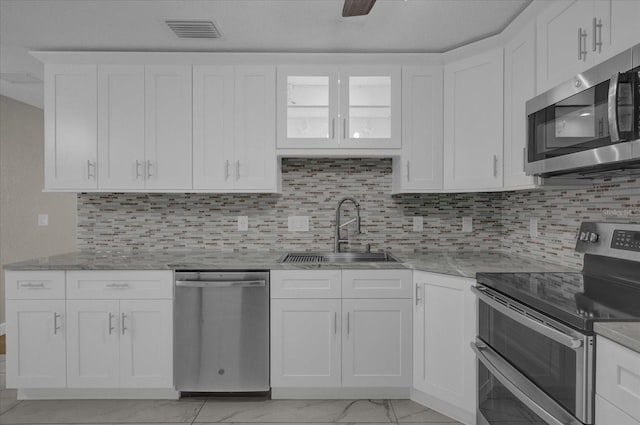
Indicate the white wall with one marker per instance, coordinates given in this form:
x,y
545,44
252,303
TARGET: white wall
x,y
21,196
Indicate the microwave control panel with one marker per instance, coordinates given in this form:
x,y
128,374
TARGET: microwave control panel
x,y
626,239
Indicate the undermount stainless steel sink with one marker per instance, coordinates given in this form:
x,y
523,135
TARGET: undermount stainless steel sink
x,y
337,257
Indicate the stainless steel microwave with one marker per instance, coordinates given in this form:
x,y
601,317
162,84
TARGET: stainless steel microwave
x,y
590,124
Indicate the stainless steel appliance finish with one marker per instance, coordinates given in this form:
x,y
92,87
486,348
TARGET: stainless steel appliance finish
x,y
221,328
535,345
589,125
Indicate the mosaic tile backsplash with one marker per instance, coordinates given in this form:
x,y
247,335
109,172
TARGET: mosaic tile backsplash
x,y
312,187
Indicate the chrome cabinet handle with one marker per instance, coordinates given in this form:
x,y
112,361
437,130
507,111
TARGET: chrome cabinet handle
x,y
91,170
122,318
335,323
344,128
418,299
139,171
524,159
333,128
226,170
597,35
495,165
30,285
149,165
117,285
111,328
238,170
56,328
408,173
348,323
582,40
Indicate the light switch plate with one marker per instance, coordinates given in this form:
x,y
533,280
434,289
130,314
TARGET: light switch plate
x,y
243,223
418,223
533,227
467,224
43,219
298,223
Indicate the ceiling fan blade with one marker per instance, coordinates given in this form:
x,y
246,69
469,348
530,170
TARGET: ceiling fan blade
x,y
357,7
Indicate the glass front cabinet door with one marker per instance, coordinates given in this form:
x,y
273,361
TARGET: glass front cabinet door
x,y
338,107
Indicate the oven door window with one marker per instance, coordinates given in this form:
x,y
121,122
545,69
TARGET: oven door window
x,y
546,363
581,122
498,405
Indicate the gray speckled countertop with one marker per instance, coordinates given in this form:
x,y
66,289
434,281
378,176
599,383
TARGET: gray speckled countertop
x,y
626,334
457,263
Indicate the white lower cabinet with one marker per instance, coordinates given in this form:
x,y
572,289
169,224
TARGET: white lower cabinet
x,y
376,343
91,336
305,343
340,344
617,384
119,343
35,344
444,366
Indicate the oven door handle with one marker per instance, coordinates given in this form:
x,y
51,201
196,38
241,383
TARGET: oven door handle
x,y
533,324
523,389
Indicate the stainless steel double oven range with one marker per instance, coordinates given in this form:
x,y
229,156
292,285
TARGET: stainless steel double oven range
x,y
536,346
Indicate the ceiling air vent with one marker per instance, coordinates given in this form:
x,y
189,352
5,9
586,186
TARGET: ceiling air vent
x,y
194,29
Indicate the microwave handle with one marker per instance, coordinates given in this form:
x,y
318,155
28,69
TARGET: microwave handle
x,y
612,108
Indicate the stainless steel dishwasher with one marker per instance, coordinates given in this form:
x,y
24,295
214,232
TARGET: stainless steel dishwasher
x,y
221,331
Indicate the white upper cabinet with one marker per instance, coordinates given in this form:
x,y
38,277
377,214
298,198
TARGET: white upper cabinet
x,y
234,128
213,132
574,35
339,107
70,127
419,168
121,158
307,107
473,121
255,128
519,86
168,144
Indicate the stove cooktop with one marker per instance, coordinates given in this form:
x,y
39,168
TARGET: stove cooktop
x,y
573,298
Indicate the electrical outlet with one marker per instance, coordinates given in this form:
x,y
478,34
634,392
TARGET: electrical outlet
x,y
533,227
418,223
467,224
43,219
298,223
243,223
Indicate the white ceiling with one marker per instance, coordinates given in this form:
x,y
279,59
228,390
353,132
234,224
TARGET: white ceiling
x,y
246,25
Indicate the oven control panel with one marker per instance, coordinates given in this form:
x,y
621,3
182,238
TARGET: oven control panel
x,y
611,239
625,239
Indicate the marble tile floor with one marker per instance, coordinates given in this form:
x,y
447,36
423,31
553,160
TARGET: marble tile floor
x,y
213,411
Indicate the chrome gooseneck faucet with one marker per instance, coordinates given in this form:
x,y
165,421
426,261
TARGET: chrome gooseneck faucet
x,y
338,241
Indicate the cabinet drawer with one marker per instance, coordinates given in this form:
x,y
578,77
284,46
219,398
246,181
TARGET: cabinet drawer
x,y
376,283
120,284
618,376
34,285
305,283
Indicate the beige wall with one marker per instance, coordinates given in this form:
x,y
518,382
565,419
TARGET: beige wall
x,y
21,196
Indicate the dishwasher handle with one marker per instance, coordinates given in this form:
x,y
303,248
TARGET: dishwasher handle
x,y
221,283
